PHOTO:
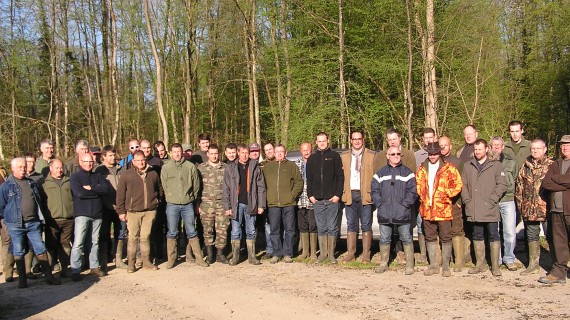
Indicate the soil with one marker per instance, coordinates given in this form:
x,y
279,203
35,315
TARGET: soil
x,y
287,291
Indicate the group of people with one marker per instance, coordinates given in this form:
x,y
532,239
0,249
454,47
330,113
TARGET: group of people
x,y
96,205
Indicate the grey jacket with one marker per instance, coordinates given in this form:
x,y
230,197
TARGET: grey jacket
x,y
482,190
257,194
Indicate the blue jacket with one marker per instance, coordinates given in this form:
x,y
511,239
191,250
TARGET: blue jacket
x,y
394,193
88,203
10,201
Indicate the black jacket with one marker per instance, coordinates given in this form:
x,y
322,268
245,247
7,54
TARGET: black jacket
x,y
87,203
394,193
325,177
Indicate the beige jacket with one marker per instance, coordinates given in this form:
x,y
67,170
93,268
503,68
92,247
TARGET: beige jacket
x,y
366,174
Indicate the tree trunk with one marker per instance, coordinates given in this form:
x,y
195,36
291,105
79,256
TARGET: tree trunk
x,y
341,83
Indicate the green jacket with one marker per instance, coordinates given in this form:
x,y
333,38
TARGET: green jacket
x,y
509,167
520,157
57,200
180,181
284,183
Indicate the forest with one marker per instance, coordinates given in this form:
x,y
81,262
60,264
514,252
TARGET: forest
x,y
279,70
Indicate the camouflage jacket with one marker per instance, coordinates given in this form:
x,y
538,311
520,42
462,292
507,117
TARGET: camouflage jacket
x,y
212,181
531,199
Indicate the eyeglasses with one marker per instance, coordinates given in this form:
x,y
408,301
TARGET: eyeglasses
x,y
394,154
87,161
134,147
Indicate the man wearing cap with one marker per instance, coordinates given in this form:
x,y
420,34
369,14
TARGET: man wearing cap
x,y
254,151
557,182
437,183
357,165
325,182
96,153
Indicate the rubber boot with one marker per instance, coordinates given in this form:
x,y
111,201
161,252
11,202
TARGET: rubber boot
x,y
305,244
195,244
103,258
210,256
351,246
446,257
170,253
235,252
366,244
8,264
145,255
438,257
323,247
44,263
119,255
458,253
332,246
495,253
384,255
480,265
189,255
432,253
21,266
533,258
467,251
313,239
220,256
251,253
131,256
410,262
422,258
28,259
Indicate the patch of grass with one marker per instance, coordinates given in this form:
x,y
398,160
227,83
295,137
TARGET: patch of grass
x,y
358,265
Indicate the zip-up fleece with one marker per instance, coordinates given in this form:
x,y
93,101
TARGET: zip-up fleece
x,y
180,181
256,194
57,200
325,177
284,183
138,192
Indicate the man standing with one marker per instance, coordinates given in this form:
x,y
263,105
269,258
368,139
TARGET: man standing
x,y
325,181
20,210
394,193
73,165
284,184
181,185
230,152
58,202
470,134
159,226
461,245
305,212
507,206
484,184
269,150
243,197
437,183
31,167
87,188
151,160
160,151
254,150
530,200
557,182
394,139
46,149
428,136
358,171
203,144
518,148
110,171
125,163
138,195
211,209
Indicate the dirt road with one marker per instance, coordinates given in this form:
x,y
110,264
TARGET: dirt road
x,y
286,291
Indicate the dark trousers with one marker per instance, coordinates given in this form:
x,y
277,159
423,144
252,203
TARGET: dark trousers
x,y
58,239
479,231
306,220
434,228
457,222
285,215
561,234
532,229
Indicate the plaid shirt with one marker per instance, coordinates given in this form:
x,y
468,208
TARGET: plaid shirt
x,y
304,201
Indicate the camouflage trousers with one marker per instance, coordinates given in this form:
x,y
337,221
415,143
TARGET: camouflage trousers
x,y
213,218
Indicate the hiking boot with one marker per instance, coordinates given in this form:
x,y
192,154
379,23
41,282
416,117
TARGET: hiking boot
x,y
273,260
384,255
287,259
97,272
351,246
551,279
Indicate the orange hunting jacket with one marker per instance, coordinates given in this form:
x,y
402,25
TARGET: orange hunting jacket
x,y
447,184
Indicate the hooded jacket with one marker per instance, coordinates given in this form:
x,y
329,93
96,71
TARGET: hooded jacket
x,y
482,190
256,192
447,184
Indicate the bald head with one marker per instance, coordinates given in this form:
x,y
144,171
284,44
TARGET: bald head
x,y
86,162
56,169
445,145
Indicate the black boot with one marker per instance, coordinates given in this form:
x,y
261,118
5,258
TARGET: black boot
x,y
220,256
210,257
21,267
44,263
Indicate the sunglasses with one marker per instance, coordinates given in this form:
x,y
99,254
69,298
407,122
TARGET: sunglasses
x,y
134,147
394,154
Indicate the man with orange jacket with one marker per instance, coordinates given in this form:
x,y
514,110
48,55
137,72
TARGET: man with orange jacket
x,y
437,182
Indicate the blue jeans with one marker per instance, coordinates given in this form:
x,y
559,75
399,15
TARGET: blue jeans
x,y
419,222
173,214
287,216
269,246
403,230
326,216
508,211
31,231
356,211
247,219
82,225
